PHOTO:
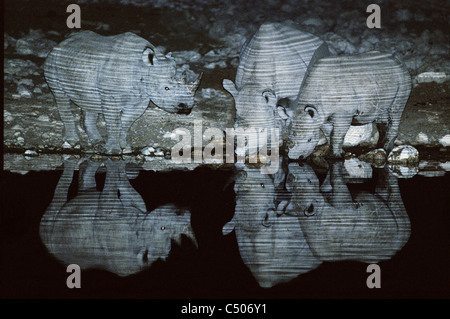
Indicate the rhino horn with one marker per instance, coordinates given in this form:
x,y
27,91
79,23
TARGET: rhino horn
x,y
188,232
193,86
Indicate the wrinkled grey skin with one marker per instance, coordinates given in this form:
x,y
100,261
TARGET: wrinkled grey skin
x,y
116,76
273,63
345,90
272,245
341,225
109,229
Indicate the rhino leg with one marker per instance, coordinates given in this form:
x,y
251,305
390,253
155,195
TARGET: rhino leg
x,y
87,175
129,116
340,127
90,124
388,131
113,128
65,112
109,200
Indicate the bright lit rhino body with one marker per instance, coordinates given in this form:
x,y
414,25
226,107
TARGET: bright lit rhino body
x,y
116,76
345,90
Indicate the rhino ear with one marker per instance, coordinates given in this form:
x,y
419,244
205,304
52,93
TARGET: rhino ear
x,y
311,110
228,227
230,87
282,108
148,56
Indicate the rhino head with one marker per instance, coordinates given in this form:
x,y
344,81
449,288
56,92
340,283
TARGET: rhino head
x,y
304,186
172,93
255,107
254,104
304,132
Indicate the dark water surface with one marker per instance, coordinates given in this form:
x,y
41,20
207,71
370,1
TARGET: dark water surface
x,y
223,233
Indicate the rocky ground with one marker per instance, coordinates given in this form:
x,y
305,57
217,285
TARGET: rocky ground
x,y
206,36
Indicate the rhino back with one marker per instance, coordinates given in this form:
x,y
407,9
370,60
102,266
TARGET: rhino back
x,y
86,65
368,82
277,56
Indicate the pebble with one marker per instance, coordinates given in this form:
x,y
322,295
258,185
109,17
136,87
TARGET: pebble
x,y
182,57
401,171
23,91
438,77
422,138
360,134
358,169
445,166
404,154
30,153
35,43
445,140
147,150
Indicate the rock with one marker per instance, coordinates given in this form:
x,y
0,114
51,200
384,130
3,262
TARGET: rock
x,y
422,138
432,173
377,157
20,140
8,41
43,118
37,90
7,117
400,171
338,45
182,57
35,43
445,166
147,150
445,140
23,91
357,135
426,77
30,153
20,68
208,93
234,41
210,66
313,21
358,169
26,82
404,154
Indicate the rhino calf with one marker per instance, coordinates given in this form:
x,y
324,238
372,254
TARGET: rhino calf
x,y
117,76
345,90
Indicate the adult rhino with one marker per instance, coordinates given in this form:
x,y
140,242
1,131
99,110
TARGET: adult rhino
x,y
341,91
117,76
340,224
271,245
109,229
273,64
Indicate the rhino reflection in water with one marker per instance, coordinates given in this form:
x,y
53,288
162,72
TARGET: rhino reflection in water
x,y
272,245
109,229
341,225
